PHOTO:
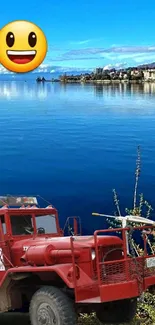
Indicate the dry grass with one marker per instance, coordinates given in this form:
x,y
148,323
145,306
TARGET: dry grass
x,y
88,320
92,320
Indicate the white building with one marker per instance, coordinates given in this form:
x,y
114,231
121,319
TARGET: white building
x,y
149,74
98,70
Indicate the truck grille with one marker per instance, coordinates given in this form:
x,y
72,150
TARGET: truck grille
x,y
121,271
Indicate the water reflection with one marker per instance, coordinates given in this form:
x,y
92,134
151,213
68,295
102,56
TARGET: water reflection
x,y
124,89
25,90
12,90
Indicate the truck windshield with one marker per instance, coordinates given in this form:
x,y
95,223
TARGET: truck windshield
x,y
46,224
23,224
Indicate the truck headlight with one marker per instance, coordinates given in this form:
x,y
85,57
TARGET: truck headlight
x,y
93,254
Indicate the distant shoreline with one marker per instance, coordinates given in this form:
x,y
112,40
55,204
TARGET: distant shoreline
x,y
107,82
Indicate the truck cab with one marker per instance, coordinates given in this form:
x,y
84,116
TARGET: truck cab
x,y
22,223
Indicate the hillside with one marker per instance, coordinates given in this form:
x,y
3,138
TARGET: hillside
x,y
147,66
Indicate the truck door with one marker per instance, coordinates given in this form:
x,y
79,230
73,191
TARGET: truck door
x,y
4,249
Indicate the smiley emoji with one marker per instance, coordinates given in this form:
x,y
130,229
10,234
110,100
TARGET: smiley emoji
x,y
23,46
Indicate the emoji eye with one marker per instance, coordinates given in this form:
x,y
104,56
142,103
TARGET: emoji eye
x,y
10,39
32,39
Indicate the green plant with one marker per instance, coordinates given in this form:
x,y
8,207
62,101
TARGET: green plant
x,y
146,309
86,319
140,208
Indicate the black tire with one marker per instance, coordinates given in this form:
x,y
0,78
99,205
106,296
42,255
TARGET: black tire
x,y
118,311
50,306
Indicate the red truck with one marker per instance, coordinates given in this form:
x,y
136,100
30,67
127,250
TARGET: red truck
x,y
59,276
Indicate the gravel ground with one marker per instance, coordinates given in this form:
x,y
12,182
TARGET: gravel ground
x,y
23,319
15,319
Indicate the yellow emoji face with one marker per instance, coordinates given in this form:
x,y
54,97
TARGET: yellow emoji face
x,y
23,46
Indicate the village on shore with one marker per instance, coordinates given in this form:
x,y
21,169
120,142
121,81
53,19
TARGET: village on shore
x,y
102,75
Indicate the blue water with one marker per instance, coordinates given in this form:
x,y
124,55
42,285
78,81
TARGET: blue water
x,y
73,144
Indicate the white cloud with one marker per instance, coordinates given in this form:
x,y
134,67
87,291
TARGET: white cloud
x,y
135,57
4,70
115,66
43,68
50,68
81,42
145,57
69,69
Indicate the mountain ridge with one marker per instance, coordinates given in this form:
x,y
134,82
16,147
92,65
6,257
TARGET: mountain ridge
x,y
147,65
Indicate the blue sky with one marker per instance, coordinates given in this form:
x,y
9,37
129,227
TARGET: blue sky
x,y
85,34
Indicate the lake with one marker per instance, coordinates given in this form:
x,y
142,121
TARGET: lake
x,y
73,144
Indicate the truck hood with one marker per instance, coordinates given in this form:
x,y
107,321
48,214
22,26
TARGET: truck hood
x,y
64,242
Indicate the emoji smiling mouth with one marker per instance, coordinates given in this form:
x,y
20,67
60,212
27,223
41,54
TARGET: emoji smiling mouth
x,y
21,57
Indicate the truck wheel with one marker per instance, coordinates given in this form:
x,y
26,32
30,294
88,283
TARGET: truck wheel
x,y
50,306
117,311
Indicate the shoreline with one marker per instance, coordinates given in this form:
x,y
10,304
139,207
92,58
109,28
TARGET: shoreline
x,y
108,81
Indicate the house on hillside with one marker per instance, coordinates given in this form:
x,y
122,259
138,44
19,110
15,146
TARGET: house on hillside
x,y
149,75
123,75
